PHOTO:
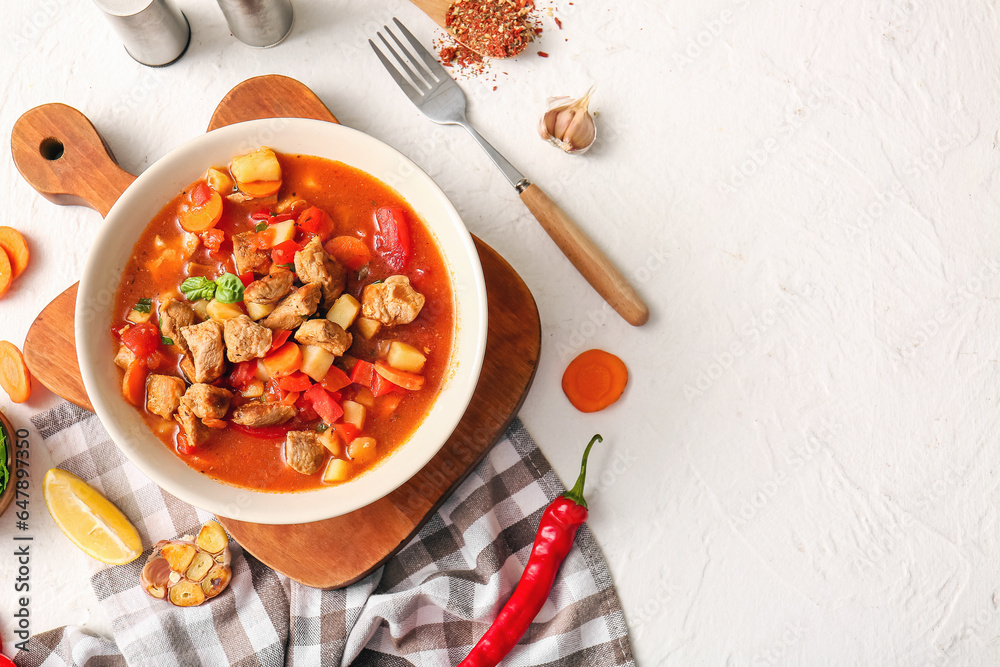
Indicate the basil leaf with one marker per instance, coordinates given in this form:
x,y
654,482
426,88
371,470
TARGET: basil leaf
x,y
143,306
229,288
261,226
320,428
165,340
290,266
198,287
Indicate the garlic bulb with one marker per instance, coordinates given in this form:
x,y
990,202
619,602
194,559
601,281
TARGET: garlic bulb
x,y
569,124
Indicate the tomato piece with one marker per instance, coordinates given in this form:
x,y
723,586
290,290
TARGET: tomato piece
x,y
119,327
134,383
242,374
213,239
143,339
201,193
284,253
347,431
246,278
263,432
316,221
323,404
261,214
275,219
393,237
362,373
184,445
306,411
156,360
297,381
278,339
335,379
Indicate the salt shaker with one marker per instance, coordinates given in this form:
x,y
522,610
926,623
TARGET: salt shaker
x,y
155,32
259,23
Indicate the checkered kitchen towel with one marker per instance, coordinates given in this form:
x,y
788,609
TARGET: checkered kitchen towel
x,y
427,606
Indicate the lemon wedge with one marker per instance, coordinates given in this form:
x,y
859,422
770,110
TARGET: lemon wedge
x,y
90,520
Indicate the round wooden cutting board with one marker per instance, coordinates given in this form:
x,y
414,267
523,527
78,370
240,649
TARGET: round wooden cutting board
x,y
60,153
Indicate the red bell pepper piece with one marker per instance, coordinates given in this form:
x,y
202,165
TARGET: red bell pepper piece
x,y
200,193
347,431
143,339
316,221
246,278
323,404
556,532
284,252
393,237
297,381
278,339
362,373
261,214
335,379
242,374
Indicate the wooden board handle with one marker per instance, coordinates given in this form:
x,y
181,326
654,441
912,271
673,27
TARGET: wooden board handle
x,y
588,259
59,152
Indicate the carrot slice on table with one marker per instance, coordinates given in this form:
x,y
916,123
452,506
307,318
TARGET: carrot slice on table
x,y
6,272
594,380
14,376
16,247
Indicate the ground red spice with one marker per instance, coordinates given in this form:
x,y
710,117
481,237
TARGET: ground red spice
x,y
543,54
494,28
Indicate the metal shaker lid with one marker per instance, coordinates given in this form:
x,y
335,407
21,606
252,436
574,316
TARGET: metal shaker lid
x,y
155,32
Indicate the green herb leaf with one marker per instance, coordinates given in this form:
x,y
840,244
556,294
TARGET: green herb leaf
x,y
143,306
165,340
290,266
229,288
198,287
320,428
261,226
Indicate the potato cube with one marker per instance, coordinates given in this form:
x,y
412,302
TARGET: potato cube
x,y
367,327
362,450
258,311
354,413
316,361
257,165
283,231
405,357
220,312
337,470
333,442
344,311
219,181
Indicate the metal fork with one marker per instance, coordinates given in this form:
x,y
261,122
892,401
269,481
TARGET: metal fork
x,y
438,96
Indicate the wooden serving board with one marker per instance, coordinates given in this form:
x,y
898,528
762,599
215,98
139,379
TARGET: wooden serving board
x,y
59,152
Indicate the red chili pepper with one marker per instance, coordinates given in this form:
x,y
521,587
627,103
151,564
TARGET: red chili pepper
x,y
556,532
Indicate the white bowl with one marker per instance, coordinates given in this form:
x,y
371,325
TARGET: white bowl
x,y
157,186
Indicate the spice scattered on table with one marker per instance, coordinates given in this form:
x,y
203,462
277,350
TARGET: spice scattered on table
x,y
89,520
189,570
553,540
594,380
494,28
569,124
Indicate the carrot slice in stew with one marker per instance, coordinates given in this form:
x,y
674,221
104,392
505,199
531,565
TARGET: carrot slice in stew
x,y
594,380
6,272
14,376
134,383
349,251
16,247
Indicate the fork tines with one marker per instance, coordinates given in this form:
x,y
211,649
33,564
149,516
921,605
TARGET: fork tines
x,y
429,73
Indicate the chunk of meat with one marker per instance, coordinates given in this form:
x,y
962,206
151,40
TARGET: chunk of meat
x,y
163,394
206,350
325,334
195,430
295,308
263,414
392,302
245,339
207,402
124,358
303,451
174,316
313,265
247,256
272,288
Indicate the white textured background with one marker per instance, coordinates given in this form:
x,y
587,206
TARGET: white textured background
x,y
803,469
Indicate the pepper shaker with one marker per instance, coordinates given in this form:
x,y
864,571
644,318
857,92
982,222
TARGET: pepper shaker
x,y
155,32
258,23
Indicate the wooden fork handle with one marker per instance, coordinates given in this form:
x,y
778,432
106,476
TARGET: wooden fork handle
x,y
586,257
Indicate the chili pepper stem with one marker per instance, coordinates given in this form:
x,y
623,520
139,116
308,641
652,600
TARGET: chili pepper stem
x,y
576,493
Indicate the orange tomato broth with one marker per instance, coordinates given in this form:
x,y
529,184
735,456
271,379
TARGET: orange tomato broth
x,y
350,197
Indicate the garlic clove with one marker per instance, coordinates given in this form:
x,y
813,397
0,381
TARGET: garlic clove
x,y
569,124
